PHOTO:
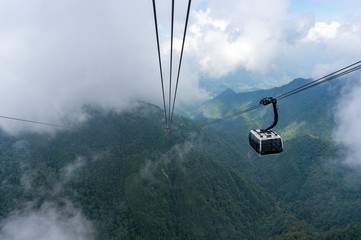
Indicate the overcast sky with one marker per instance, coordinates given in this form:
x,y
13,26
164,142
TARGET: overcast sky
x,y
57,56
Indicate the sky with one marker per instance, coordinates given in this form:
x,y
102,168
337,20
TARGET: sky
x,y
326,10
57,57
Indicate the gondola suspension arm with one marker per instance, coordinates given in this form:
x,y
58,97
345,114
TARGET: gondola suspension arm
x,y
266,101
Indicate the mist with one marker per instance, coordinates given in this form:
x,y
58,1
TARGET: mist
x,y
56,58
50,222
348,128
55,219
177,154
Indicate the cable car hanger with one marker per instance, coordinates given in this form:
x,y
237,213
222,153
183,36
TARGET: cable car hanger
x,y
266,101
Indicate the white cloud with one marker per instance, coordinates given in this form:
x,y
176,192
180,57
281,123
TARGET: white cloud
x,y
178,152
57,57
340,51
59,220
47,223
71,168
231,35
348,130
264,39
322,32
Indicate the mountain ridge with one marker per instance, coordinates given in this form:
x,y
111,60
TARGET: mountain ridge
x,y
133,180
133,177
292,118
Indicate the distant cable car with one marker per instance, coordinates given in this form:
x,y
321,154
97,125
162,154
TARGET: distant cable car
x,y
266,141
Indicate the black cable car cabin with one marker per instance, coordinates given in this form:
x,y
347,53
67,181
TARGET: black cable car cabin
x,y
266,141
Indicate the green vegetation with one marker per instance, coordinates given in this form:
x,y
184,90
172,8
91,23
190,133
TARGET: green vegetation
x,y
138,183
134,181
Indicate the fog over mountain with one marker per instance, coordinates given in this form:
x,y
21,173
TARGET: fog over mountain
x,y
120,175
348,117
56,58
54,219
93,65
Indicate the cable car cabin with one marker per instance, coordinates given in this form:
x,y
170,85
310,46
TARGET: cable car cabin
x,y
265,142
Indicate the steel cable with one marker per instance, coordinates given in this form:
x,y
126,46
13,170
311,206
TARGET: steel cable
x,y
171,63
160,61
36,122
346,70
181,57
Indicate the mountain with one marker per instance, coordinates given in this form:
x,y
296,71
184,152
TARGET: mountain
x,y
238,81
304,113
129,179
134,181
313,189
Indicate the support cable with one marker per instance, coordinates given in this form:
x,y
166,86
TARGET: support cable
x,y
36,122
317,80
346,70
160,61
231,116
307,86
181,58
171,63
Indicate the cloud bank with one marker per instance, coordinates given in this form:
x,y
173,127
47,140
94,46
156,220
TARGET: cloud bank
x,y
48,223
56,58
348,118
53,220
264,38
239,34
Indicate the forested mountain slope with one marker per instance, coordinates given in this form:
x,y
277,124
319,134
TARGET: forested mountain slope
x,y
131,180
316,193
308,112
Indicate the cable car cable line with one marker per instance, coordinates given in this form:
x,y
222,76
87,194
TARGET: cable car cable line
x,y
300,89
341,72
171,63
160,61
318,81
181,57
231,116
169,114
36,122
